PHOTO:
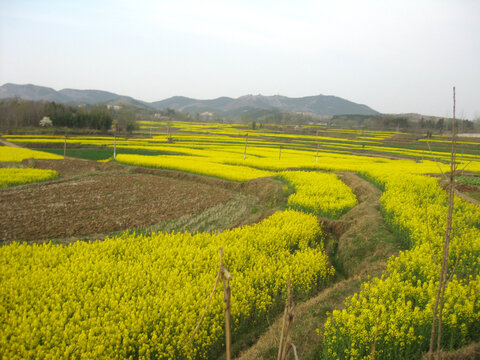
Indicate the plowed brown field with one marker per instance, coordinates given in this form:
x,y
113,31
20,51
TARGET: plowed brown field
x,y
112,199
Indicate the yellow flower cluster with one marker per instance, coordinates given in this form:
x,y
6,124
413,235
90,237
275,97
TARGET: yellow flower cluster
x,y
322,194
17,176
397,312
213,136
11,154
141,296
195,164
398,308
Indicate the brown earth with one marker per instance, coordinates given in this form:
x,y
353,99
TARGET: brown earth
x,y
99,204
469,352
94,199
73,167
266,189
469,193
4,142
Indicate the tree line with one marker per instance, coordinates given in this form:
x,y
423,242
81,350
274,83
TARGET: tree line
x,y
18,113
402,123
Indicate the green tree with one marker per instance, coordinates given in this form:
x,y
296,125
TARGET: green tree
x,y
440,125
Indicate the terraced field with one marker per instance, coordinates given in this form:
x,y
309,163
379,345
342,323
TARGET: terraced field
x,y
272,202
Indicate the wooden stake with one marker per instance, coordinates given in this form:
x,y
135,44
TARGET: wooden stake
x,y
65,147
288,314
245,151
219,274
226,297
374,346
114,147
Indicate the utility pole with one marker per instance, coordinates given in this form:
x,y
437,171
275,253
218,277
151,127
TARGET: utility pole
x,y
245,151
65,147
114,146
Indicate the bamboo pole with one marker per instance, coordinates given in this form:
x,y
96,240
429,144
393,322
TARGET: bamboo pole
x,y
443,279
65,147
226,297
374,346
245,151
448,230
219,274
281,345
288,314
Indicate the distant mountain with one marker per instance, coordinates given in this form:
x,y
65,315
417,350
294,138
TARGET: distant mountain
x,y
319,105
89,96
31,92
224,106
68,96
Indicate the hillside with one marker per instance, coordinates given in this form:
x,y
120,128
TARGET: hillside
x,y
65,96
320,105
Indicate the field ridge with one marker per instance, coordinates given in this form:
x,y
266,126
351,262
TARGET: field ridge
x,y
368,256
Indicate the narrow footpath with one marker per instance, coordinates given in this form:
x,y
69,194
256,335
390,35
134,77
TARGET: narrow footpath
x,y
359,245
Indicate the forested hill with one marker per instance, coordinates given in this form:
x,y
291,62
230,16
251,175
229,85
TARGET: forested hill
x,y
320,105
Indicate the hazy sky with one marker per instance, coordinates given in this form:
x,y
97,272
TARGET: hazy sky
x,y
394,56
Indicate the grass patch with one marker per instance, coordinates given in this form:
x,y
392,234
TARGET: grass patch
x,y
217,218
96,154
476,196
469,180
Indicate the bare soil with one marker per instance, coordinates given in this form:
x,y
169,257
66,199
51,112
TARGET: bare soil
x,y
73,167
100,204
469,352
469,193
4,142
95,199
266,189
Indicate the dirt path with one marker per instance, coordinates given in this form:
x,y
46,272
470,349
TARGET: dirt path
x,y
364,242
360,246
464,191
6,143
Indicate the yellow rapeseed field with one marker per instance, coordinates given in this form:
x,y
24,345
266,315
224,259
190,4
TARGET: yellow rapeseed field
x,y
17,176
141,296
11,154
